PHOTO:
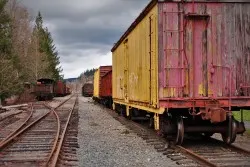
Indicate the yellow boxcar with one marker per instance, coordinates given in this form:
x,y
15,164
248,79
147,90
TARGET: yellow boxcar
x,y
135,68
96,83
177,63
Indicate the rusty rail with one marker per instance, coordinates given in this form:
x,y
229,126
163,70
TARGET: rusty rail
x,y
233,147
57,136
239,149
21,131
56,155
196,156
15,131
58,128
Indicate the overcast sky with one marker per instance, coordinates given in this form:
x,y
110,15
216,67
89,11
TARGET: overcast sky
x,y
84,31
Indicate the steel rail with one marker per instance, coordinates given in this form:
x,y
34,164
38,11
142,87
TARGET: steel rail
x,y
239,149
200,160
3,144
58,128
17,129
196,156
187,152
23,130
56,155
233,147
56,138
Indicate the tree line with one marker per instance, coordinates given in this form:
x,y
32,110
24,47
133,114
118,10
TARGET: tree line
x,y
27,51
89,72
87,76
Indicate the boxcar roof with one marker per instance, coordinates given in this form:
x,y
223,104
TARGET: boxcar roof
x,y
145,11
152,3
110,71
235,1
45,80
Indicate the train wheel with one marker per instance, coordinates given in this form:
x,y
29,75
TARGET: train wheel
x,y
230,139
207,134
151,122
122,111
180,131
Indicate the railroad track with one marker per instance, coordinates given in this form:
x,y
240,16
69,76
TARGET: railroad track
x,y
213,152
209,152
38,141
12,123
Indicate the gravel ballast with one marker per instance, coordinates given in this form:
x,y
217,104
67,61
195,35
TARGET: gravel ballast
x,y
104,141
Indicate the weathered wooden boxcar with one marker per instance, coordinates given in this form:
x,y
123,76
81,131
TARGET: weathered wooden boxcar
x,y
44,89
87,89
59,89
106,89
186,64
68,91
98,85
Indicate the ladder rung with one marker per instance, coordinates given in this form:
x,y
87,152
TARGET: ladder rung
x,y
176,68
175,86
174,49
176,31
175,12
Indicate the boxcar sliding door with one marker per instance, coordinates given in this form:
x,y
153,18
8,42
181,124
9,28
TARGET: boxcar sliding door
x,y
152,59
125,82
196,50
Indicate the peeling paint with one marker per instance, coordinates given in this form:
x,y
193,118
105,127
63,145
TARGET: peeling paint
x,y
215,38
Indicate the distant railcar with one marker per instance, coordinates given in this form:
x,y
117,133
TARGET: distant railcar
x,y
68,91
87,90
106,89
99,93
185,65
60,89
44,89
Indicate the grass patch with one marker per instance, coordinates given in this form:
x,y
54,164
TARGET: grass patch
x,y
248,132
246,115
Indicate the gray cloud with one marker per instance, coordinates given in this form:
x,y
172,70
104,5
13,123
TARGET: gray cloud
x,y
84,31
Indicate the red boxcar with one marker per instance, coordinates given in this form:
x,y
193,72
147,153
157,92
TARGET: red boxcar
x,y
104,70
106,85
43,89
67,90
60,89
87,89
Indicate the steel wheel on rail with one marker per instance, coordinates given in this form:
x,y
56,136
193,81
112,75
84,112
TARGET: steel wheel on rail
x,y
180,131
207,134
230,139
151,122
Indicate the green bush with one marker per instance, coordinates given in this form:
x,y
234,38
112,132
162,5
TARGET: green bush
x,y
246,115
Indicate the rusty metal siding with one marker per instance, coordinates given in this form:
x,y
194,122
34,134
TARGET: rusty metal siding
x,y
103,88
204,49
135,68
99,73
60,88
87,89
106,85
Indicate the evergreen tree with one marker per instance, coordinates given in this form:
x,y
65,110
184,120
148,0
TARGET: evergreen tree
x,y
52,55
5,31
9,76
89,72
48,50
